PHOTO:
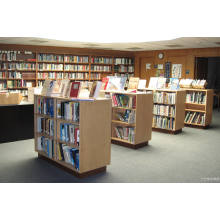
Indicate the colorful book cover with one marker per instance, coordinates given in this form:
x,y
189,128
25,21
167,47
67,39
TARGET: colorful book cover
x,y
104,83
74,91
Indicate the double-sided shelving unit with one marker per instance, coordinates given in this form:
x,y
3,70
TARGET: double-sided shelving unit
x,y
168,110
90,147
131,118
198,108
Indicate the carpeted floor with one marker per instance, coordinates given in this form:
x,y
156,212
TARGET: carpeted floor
x,y
192,156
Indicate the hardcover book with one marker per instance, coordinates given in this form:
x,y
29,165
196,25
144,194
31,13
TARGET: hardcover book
x,y
74,91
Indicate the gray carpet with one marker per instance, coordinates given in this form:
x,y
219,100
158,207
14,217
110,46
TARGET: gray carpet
x,y
192,156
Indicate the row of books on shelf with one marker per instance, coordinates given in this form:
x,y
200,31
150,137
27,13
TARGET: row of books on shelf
x,y
69,67
125,101
50,57
20,66
8,55
45,126
69,133
196,97
125,133
119,61
76,59
18,83
17,75
45,106
195,118
164,97
164,110
163,122
68,154
68,111
50,66
127,116
57,75
3,85
101,68
46,145
121,68
102,60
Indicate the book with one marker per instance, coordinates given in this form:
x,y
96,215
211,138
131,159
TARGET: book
x,y
174,84
153,83
64,87
133,83
74,91
104,83
142,84
97,90
46,86
92,90
114,83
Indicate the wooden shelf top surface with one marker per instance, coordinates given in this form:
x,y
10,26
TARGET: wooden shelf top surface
x,y
123,123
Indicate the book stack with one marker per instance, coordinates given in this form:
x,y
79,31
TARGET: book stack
x,y
122,100
125,133
96,76
78,75
196,97
197,118
46,145
164,98
164,110
68,111
21,66
69,133
45,126
27,75
101,60
68,154
76,59
50,57
128,116
163,122
50,66
45,106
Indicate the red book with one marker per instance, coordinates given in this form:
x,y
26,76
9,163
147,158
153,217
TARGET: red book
x,y
74,90
104,83
76,136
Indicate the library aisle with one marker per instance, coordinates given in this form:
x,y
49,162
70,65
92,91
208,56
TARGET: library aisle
x,y
168,158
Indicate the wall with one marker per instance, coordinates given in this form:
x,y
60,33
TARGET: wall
x,y
186,57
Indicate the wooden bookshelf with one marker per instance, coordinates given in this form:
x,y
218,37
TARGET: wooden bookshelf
x,y
39,58
141,125
173,122
199,107
95,135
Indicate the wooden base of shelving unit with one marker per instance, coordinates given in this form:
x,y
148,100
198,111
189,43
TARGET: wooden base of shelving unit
x,y
167,131
77,174
133,146
197,126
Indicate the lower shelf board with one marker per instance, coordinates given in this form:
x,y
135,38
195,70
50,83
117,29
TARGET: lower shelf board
x,y
72,170
127,144
167,131
196,126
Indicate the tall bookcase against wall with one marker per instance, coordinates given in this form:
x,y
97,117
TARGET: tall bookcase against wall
x,y
168,110
38,66
131,119
198,108
56,133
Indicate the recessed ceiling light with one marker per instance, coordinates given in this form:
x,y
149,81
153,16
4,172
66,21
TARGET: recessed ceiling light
x,y
134,48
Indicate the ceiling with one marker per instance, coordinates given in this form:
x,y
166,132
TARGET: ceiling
x,y
178,43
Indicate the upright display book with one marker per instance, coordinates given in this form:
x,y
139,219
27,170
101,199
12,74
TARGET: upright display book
x,y
142,84
104,83
133,83
46,87
74,91
153,83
